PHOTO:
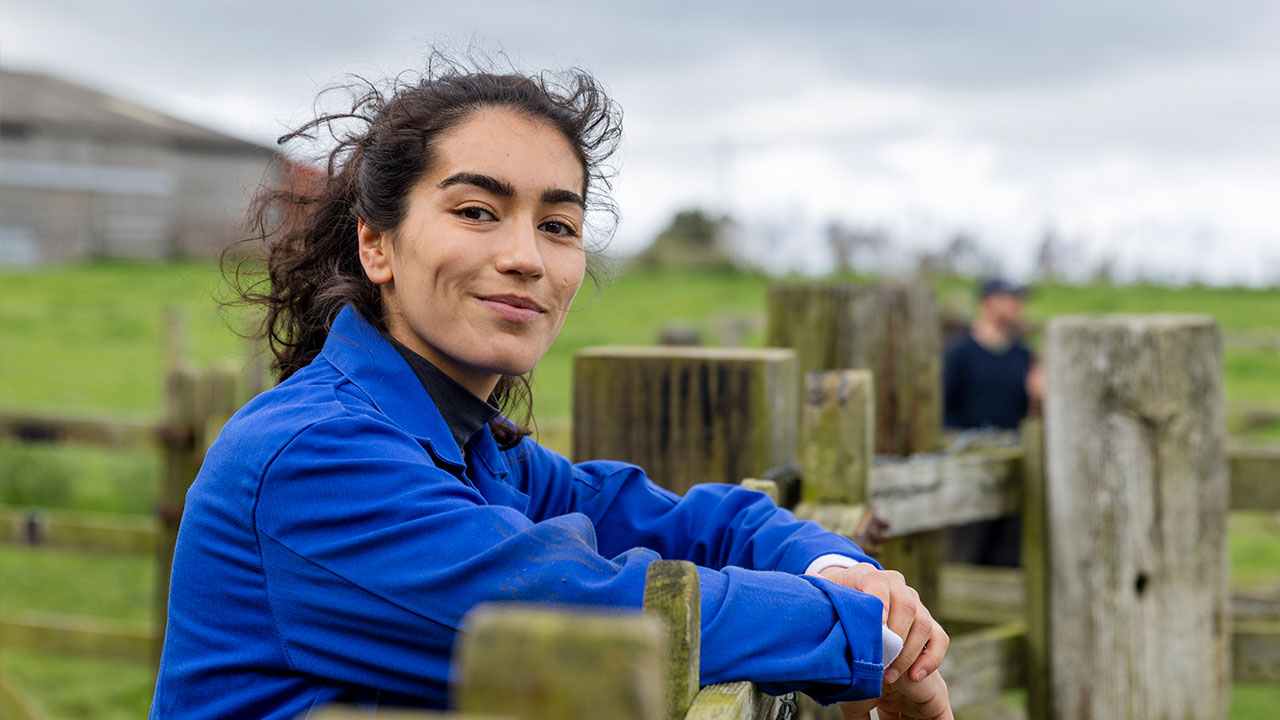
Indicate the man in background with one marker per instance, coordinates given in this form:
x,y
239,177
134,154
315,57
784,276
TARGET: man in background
x,y
990,380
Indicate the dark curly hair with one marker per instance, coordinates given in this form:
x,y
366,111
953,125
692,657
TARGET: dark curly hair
x,y
373,155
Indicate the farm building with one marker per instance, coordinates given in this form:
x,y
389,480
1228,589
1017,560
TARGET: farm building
x,y
85,174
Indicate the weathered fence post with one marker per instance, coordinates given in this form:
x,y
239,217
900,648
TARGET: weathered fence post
x,y
836,449
542,663
687,415
221,390
181,451
1136,518
672,593
1035,563
836,443
892,330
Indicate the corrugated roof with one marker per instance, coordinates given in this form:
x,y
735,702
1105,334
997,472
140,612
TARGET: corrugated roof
x,y
49,103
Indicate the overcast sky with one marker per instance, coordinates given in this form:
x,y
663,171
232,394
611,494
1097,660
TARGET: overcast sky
x,y
1146,131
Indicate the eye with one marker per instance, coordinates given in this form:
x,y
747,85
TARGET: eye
x,y
475,213
559,229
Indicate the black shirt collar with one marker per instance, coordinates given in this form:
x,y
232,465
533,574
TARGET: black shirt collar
x,y
463,412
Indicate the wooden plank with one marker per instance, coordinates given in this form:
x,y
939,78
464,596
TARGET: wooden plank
x,y
924,493
732,701
1255,478
836,442
840,519
891,329
929,492
981,665
1255,651
1035,561
79,531
181,463
672,594
116,433
1136,466
981,593
768,487
548,664
76,635
687,415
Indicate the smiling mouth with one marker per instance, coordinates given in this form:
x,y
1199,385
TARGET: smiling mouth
x,y
514,308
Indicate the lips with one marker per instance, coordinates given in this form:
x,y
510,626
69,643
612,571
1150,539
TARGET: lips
x,y
514,308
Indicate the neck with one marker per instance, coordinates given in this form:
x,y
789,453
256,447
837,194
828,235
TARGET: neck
x,y
477,382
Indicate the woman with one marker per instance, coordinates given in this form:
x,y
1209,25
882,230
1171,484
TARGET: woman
x,y
346,520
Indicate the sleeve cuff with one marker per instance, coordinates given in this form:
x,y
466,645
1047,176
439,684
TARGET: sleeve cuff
x,y
889,640
830,560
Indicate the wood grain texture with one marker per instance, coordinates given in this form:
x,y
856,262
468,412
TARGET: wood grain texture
x,y
738,701
549,664
687,415
1136,475
672,594
836,437
981,665
930,492
893,330
890,329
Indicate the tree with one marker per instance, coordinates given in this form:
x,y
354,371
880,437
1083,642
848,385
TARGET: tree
x,y
693,239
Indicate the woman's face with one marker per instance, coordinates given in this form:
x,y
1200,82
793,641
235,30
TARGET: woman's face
x,y
481,272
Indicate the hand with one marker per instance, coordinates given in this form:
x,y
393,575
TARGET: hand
x,y
925,699
924,641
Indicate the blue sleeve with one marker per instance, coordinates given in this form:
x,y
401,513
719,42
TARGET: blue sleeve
x,y
714,525
372,556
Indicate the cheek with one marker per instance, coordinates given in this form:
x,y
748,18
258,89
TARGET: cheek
x,y
571,270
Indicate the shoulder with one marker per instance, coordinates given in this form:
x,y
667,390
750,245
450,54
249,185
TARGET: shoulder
x,y
318,396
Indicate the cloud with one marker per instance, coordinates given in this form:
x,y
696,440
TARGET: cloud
x,y
1119,121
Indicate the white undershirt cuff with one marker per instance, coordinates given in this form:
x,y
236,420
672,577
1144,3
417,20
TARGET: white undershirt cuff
x,y
890,642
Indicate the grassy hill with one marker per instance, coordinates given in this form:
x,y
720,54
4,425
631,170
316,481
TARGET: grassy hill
x,y
88,338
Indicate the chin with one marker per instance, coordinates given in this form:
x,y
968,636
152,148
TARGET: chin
x,y
507,365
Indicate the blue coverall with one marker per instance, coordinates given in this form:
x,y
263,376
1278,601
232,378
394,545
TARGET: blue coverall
x,y
325,555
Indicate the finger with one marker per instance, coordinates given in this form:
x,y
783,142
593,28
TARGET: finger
x,y
877,583
934,651
913,644
860,710
904,608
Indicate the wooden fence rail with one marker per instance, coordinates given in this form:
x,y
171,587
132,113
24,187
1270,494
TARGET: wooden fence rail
x,y
712,415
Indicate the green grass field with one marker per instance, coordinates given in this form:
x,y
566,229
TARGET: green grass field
x,y
89,338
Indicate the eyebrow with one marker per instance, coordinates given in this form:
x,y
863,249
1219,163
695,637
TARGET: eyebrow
x,y
491,184
552,197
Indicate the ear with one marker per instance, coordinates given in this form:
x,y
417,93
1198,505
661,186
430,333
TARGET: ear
x,y
375,253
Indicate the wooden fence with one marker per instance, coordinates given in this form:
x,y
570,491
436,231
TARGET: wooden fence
x,y
853,400
197,403
1124,500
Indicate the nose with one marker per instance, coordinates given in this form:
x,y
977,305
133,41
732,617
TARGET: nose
x,y
519,253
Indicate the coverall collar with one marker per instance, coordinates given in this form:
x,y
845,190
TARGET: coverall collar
x,y
359,351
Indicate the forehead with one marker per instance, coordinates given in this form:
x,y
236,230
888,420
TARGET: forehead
x,y
530,154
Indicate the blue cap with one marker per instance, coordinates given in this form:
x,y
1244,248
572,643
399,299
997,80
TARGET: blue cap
x,y
999,285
